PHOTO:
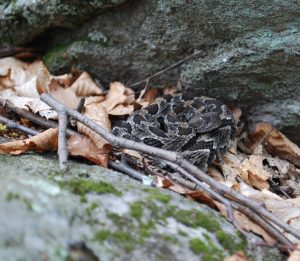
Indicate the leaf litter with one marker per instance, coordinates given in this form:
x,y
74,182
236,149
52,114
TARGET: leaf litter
x,y
265,159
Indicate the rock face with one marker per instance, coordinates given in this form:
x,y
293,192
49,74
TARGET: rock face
x,y
101,214
250,48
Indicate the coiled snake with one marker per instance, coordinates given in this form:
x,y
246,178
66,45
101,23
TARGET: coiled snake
x,y
201,129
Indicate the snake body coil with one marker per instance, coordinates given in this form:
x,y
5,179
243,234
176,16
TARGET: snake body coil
x,y
201,129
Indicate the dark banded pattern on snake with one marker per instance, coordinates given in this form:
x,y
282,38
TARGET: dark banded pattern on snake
x,y
201,129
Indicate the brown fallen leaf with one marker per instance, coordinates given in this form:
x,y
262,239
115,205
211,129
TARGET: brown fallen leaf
x,y
162,182
85,86
65,95
130,96
246,224
295,255
7,63
98,114
202,197
169,90
238,256
115,96
93,99
287,210
276,143
45,141
81,145
150,95
122,110
65,80
253,171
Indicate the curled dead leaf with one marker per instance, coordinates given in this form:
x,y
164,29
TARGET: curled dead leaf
x,y
98,114
65,95
122,110
276,143
295,255
81,145
64,80
253,171
45,141
7,63
93,99
115,96
85,86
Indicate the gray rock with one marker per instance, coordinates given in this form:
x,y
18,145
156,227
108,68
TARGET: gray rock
x,y
97,213
250,49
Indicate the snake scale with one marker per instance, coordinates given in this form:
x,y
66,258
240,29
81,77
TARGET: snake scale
x,y
201,129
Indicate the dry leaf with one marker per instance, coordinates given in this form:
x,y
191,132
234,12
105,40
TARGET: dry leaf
x,y
166,183
287,210
45,141
246,224
150,95
169,90
98,114
130,96
215,174
115,96
295,255
230,167
202,197
65,80
239,256
81,145
275,143
122,110
93,99
6,64
34,104
65,96
253,171
85,86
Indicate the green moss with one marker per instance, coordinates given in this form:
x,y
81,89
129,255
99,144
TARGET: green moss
x,y
102,235
115,218
89,210
83,186
84,175
121,238
194,218
155,194
182,233
10,196
170,239
197,246
208,250
54,54
136,210
145,229
229,242
124,240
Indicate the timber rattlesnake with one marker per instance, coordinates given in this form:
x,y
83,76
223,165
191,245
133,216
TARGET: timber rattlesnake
x,y
201,129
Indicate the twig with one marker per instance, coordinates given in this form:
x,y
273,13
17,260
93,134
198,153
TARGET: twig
x,y
172,157
207,190
122,167
62,150
32,117
165,70
275,185
267,226
79,108
13,125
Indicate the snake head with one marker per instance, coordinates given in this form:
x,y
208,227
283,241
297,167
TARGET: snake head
x,y
205,122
